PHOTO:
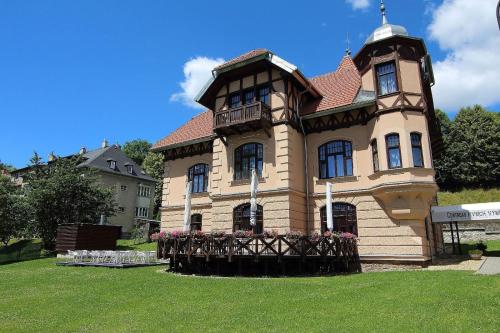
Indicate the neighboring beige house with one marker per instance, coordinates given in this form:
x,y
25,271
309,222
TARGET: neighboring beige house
x,y
368,127
134,189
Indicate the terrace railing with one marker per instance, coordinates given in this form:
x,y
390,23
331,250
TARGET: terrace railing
x,y
230,249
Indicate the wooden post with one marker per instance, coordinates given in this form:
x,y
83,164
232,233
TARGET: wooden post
x,y
452,237
458,238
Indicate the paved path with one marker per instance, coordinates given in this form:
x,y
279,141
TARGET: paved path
x,y
490,266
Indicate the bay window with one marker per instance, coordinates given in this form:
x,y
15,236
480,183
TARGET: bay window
x,y
393,151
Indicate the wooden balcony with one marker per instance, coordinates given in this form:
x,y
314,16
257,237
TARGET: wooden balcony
x,y
249,117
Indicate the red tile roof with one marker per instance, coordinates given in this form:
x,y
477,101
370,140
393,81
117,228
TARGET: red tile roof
x,y
338,88
199,127
243,57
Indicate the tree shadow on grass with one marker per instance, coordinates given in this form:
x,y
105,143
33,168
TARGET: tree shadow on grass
x,y
469,246
22,250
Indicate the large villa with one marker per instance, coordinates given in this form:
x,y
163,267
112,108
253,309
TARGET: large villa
x,y
368,128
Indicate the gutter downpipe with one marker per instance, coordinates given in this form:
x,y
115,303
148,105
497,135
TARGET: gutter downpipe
x,y
306,168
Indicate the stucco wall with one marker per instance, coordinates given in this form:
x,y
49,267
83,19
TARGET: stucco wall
x,y
126,198
379,234
360,136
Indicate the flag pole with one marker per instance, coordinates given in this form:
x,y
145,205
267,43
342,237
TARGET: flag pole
x,y
329,210
253,198
187,208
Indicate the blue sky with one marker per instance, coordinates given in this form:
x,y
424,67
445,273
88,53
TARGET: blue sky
x,y
75,72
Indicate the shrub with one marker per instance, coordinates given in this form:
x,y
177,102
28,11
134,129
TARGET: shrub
x,y
481,246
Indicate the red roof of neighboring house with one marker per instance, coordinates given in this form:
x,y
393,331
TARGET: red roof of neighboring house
x,y
199,127
338,88
243,57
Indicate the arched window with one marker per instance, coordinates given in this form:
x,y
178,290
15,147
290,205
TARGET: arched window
x,y
335,159
344,218
375,155
241,218
196,222
246,158
393,150
198,175
416,149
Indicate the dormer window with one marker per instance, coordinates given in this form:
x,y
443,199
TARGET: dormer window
x,y
386,78
234,100
248,96
112,164
263,94
130,168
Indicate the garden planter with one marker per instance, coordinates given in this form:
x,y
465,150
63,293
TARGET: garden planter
x,y
476,256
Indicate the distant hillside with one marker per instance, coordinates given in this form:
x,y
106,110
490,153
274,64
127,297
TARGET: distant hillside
x,y
468,196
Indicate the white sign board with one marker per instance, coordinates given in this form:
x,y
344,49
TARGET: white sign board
x,y
489,211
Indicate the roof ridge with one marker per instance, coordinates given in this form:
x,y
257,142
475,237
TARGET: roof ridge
x,y
339,68
244,56
104,149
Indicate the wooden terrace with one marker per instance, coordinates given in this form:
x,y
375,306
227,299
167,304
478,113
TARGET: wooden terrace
x,y
259,255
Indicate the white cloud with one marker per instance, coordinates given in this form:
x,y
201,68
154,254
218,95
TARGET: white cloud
x,y
197,72
359,4
470,73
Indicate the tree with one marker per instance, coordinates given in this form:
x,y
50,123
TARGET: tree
x,y
14,212
443,174
137,150
61,192
444,122
472,150
153,164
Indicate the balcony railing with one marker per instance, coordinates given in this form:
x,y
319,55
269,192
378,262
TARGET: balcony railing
x,y
254,112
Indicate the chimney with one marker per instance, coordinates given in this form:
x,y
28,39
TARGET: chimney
x,y
83,150
52,157
104,143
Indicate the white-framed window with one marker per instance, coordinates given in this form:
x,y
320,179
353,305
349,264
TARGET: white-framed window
x,y
130,169
141,211
123,187
121,209
144,191
112,164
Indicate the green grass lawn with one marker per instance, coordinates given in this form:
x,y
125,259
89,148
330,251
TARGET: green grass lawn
x,y
130,244
468,196
38,296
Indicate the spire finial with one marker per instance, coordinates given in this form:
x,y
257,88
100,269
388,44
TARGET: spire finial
x,y
348,46
382,10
